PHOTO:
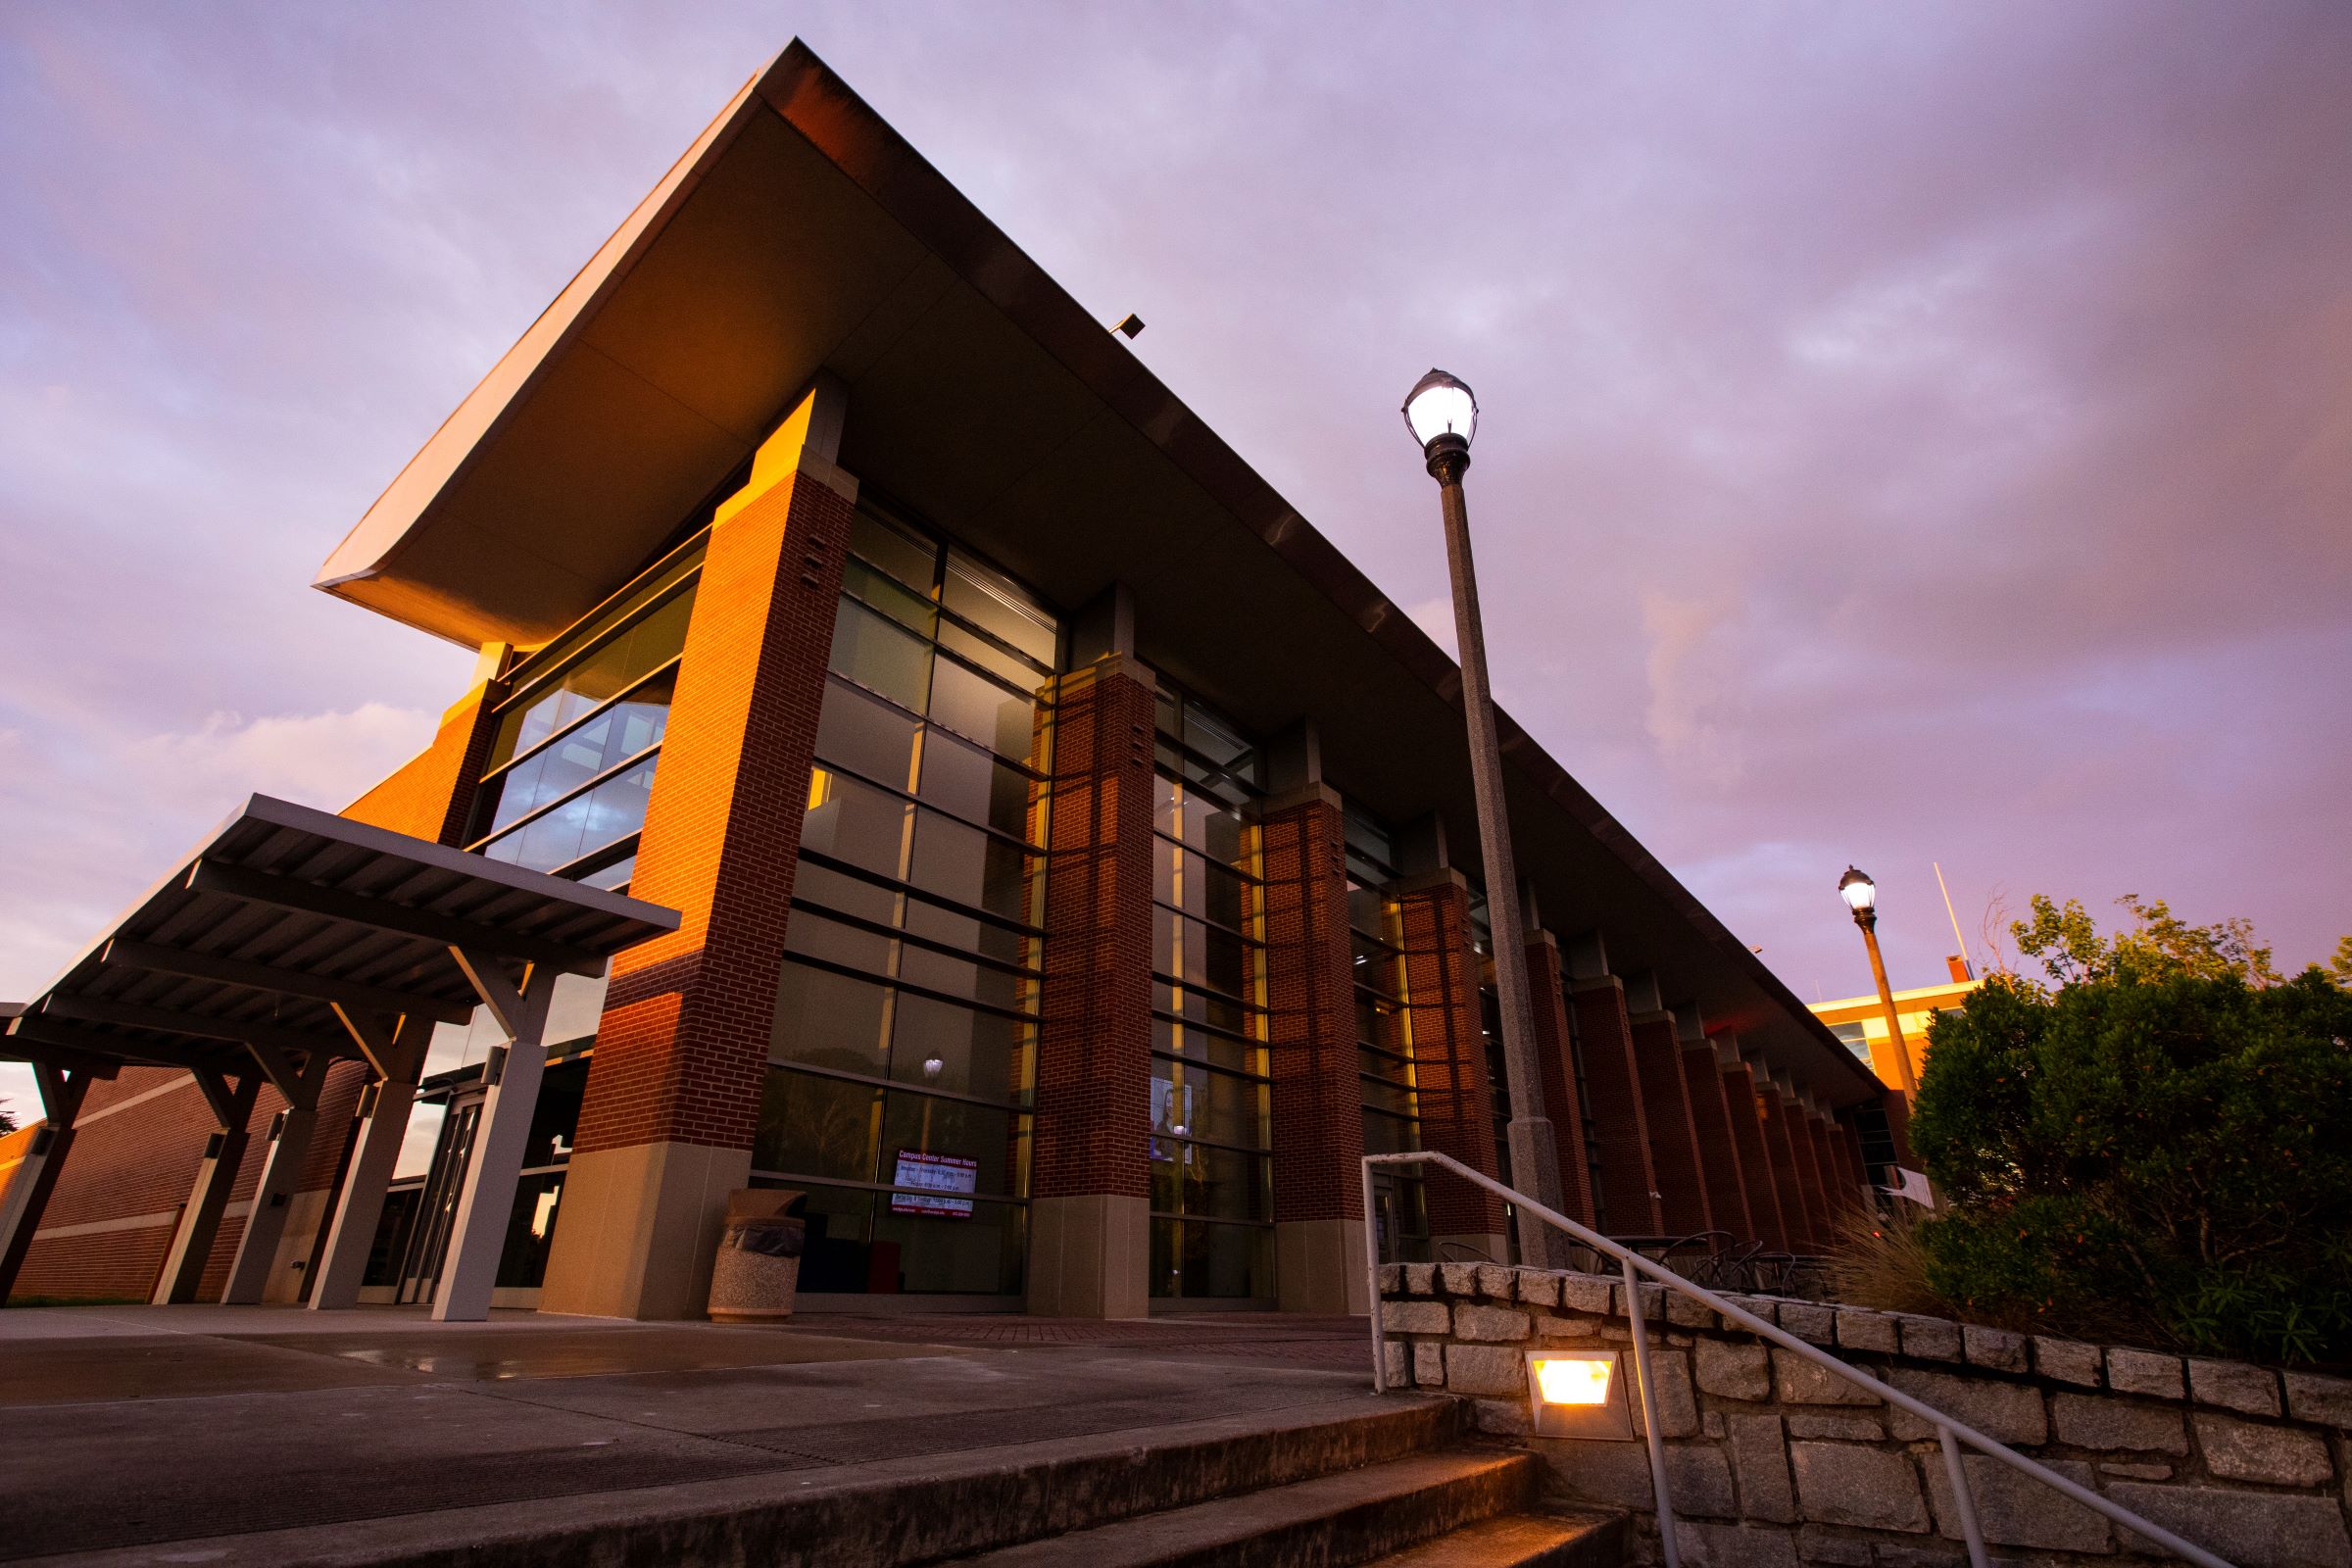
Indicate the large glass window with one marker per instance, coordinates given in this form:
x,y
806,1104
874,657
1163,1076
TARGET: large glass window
x,y
1211,1178
571,761
902,1055
1383,1039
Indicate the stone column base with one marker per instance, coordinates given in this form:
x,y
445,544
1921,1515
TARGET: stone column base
x,y
1090,1256
638,1229
1319,1266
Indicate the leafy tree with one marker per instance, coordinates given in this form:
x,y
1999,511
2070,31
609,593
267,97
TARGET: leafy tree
x,y
2159,1148
2159,944
2340,968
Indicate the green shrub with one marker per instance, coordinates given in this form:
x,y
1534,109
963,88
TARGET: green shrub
x,y
2148,1152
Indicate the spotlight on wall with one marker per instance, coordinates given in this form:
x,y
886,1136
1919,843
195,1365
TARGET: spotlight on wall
x,y
1131,325
1577,1394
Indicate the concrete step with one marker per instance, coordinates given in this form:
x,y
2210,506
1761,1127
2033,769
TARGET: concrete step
x,y
1348,1517
1521,1541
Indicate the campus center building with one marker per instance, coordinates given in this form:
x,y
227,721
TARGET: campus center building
x,y
1074,855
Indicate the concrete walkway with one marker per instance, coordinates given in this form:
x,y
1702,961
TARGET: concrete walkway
x,y
200,1433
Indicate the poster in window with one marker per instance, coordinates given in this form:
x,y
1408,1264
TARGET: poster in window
x,y
935,1176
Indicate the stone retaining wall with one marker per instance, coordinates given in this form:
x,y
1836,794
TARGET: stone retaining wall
x,y
1774,1461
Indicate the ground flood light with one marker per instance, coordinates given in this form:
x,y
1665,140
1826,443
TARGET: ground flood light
x,y
1577,1394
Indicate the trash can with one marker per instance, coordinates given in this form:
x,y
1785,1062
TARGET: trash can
x,y
759,1263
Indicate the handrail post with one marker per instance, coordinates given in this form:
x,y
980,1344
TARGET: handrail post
x,y
1668,1545
1964,1500
1380,1343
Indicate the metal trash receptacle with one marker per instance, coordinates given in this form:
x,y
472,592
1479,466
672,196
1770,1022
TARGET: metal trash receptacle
x,y
758,1264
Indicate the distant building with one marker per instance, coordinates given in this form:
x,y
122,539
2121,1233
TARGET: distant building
x,y
1861,1021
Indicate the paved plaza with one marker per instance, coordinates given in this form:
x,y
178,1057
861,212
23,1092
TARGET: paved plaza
x,y
233,1435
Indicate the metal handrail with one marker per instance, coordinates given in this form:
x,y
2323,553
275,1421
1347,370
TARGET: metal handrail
x,y
1949,1433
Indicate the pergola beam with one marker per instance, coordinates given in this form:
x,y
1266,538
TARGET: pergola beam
x,y
172,1021
285,893
92,1055
160,959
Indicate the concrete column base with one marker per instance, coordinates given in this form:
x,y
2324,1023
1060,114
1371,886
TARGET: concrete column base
x,y
1090,1256
1319,1266
638,1229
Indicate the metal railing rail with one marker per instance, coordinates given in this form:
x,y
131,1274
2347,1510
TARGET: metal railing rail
x,y
1949,1433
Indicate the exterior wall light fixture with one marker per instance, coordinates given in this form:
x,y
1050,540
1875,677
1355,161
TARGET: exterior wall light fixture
x,y
1577,1394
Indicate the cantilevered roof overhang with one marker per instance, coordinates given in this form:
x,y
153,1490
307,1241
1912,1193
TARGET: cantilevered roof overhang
x,y
800,234
290,935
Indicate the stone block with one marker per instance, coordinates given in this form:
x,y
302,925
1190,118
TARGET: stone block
x,y
1813,1425
2313,1397
1809,1321
2016,1510
2245,1450
1757,1305
1995,1350
1538,1286
1678,1409
2006,1412
1710,1425
1687,1311
1798,1380
1485,1369
1429,1364
1392,1278
2067,1360
1488,1323
1859,1330
2108,1423
1458,1279
2234,1386
1653,1302
1735,1371
1816,1543
1929,1338
1499,1281
1504,1418
2251,1529
1552,1326
1392,1362
1617,1475
1846,1484
1587,1292
1760,1460
1416,1317
2144,1372
2136,1470
1893,1554
1706,1545
1421,1279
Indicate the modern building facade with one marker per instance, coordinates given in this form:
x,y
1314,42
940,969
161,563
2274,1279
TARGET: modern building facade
x,y
1074,855
1861,1021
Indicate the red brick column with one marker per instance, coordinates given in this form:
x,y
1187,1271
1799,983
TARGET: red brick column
x,y
1837,1194
1628,1205
1719,1151
1797,1202
1555,1052
1090,1174
1755,1159
1850,1151
681,1052
1449,1056
1311,1056
1673,1140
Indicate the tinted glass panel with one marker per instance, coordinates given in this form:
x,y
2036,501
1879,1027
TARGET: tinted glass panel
x,y
811,1126
881,656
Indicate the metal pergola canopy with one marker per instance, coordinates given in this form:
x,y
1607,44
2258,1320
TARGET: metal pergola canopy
x,y
291,937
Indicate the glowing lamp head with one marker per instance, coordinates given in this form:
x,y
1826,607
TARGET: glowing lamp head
x,y
1578,1381
1441,406
1860,892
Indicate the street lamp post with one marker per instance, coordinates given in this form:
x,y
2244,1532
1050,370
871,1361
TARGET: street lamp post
x,y
1442,417
1861,896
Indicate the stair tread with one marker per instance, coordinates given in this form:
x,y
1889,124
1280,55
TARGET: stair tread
x,y
1513,1540
1178,1533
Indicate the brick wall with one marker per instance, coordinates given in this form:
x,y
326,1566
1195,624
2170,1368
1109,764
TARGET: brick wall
x,y
1093,1068
1450,1051
1719,1150
1764,1209
1629,1204
1772,1459
1555,1055
1673,1140
681,1051
1310,1012
1780,1148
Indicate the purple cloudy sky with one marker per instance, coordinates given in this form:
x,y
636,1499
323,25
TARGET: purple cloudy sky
x,y
1912,433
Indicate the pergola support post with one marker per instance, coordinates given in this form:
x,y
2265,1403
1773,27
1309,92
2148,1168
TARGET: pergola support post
x,y
289,1144
480,1234
200,1221
27,1196
342,1262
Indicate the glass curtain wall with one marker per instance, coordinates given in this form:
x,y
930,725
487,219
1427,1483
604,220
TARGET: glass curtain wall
x,y
906,1028
1383,1039
1212,1230
571,761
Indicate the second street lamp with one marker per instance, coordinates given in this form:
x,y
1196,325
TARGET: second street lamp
x,y
1442,416
1861,896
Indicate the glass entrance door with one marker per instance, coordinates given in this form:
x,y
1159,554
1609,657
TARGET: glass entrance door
x,y
437,1210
